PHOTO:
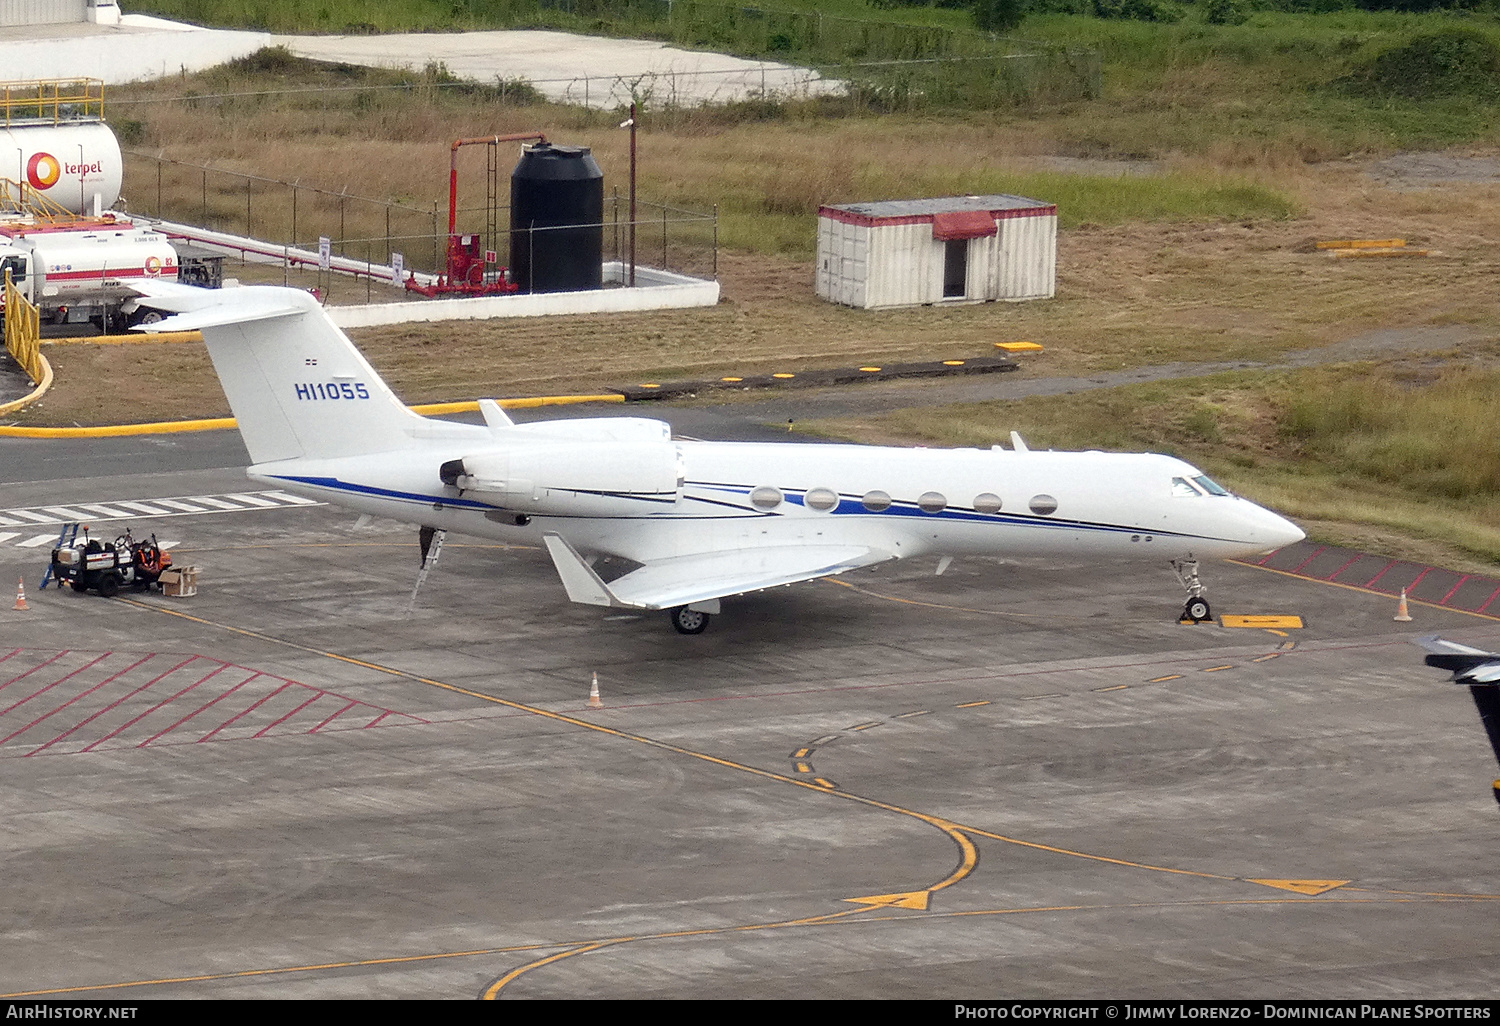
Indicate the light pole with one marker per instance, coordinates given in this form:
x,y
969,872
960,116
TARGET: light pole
x,y
630,124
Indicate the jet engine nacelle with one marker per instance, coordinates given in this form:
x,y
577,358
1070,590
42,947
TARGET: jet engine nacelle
x,y
574,478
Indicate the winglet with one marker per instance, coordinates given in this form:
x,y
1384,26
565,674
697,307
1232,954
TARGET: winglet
x,y
1017,442
578,578
495,418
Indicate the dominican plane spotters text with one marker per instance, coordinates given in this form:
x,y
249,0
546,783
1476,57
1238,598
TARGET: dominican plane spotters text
x,y
703,520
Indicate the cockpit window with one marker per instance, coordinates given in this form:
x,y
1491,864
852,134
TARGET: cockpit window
x,y
1209,485
1182,490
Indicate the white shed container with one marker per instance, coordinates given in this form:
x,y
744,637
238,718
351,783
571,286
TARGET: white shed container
x,y
961,249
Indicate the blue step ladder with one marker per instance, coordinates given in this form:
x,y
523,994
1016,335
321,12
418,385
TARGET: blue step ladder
x,y
65,537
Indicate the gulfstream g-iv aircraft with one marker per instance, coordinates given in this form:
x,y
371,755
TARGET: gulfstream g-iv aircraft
x,y
702,520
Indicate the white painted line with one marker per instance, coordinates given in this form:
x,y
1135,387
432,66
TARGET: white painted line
x,y
216,503
168,545
254,500
5,522
295,500
71,514
142,507
39,540
8,535
98,509
187,507
35,518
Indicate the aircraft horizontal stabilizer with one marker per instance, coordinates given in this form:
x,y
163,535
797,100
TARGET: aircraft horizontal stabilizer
x,y
686,580
195,308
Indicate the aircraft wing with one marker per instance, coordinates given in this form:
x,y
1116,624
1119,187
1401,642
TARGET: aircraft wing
x,y
685,580
1468,665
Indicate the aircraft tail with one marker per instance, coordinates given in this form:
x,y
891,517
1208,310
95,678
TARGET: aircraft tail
x,y
296,384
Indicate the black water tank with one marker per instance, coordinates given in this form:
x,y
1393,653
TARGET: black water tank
x,y
557,220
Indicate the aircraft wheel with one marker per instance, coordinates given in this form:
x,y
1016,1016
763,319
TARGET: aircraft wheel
x,y
689,621
109,584
1196,610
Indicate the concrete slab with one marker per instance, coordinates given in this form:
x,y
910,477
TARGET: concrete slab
x,y
140,47
1039,754
588,71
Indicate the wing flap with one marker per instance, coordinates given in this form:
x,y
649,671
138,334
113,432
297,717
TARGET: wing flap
x,y
685,580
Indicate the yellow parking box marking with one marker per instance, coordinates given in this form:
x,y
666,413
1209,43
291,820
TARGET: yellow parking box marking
x,y
801,753
865,726
1019,347
1261,659
907,899
825,783
803,767
970,705
907,716
1216,669
1236,620
1312,887
1170,676
1113,687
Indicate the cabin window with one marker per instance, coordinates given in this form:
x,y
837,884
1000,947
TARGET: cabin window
x,y
986,502
1182,490
765,497
932,502
877,501
1042,505
16,266
1209,485
823,499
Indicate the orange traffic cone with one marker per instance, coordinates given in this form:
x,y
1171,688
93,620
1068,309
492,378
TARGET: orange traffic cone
x,y
1402,616
21,595
594,700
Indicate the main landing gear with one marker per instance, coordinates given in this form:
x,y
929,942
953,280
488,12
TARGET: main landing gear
x,y
1196,610
688,620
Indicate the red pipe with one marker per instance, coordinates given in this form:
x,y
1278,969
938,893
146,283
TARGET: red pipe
x,y
453,166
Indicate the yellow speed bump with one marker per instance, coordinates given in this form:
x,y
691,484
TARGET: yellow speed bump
x,y
1236,620
122,340
1019,347
869,370
953,363
783,376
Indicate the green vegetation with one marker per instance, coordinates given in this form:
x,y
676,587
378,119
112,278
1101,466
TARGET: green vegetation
x,y
1447,63
1412,451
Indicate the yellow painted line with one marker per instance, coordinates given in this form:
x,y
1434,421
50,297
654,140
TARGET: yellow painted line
x,y
279,970
650,384
1019,347
1216,669
801,753
970,705
35,394
1116,687
864,726
953,363
224,423
907,716
1261,659
1279,634
122,340
1238,620
731,380
1170,676
1346,254
1054,694
1308,887
869,370
803,767
830,785
1362,244
1094,858
1364,591
938,605
783,376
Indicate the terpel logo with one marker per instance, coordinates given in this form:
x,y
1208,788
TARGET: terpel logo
x,y
43,170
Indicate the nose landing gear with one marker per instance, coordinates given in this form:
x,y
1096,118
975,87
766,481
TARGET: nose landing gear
x,y
1197,609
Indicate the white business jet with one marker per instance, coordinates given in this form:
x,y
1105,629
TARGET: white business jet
x,y
694,521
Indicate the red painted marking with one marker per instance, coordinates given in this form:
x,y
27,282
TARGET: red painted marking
x,y
1267,557
1357,557
75,698
330,719
170,698
1371,582
886,221
10,653
1493,595
376,720
254,707
1413,585
107,708
198,710
1316,553
37,667
289,715
1444,600
55,683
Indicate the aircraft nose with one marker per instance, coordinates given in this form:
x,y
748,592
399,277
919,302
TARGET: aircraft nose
x,y
1275,530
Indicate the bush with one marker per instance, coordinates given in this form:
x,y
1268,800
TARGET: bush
x,y
1226,12
1136,10
998,15
1448,63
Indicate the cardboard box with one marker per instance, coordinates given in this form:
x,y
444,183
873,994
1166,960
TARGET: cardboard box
x,y
181,582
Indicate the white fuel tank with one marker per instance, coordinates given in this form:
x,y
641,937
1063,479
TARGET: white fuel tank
x,y
70,165
74,267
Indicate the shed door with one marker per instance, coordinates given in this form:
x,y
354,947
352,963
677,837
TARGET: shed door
x,y
955,268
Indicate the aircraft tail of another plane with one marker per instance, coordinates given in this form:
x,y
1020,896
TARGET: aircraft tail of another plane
x,y
296,384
